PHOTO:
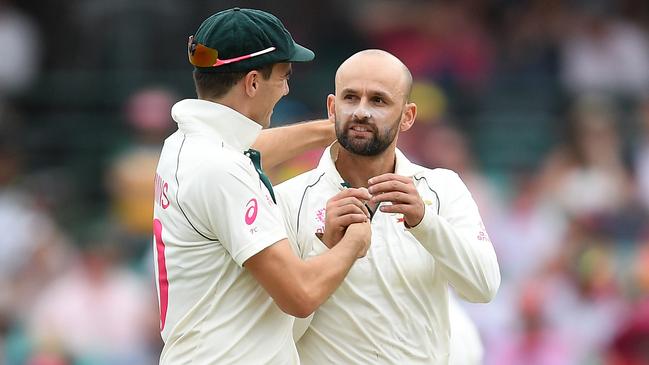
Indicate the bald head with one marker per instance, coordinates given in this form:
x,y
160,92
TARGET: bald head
x,y
371,104
376,66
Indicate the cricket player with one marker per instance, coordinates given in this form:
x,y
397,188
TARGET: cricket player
x,y
427,233
228,280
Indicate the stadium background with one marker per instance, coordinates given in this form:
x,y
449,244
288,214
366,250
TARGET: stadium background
x,y
542,106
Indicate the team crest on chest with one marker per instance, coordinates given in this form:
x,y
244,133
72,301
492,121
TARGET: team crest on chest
x,y
320,220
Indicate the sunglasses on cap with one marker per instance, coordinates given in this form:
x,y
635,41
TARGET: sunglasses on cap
x,y
204,56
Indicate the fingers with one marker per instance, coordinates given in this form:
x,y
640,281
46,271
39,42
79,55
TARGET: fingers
x,y
401,192
349,209
390,182
396,208
347,206
360,194
342,210
351,196
360,226
393,188
348,219
389,177
396,197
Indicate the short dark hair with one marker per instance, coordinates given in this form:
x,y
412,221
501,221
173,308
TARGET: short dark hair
x,y
215,85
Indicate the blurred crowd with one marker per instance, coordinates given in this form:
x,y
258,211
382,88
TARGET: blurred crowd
x,y
541,106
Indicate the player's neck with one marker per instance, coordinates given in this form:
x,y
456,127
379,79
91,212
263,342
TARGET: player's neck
x,y
236,101
357,169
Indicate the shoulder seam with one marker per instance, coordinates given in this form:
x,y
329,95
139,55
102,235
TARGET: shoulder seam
x,y
178,193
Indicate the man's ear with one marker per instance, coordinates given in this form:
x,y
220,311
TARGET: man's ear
x,y
250,82
331,107
408,117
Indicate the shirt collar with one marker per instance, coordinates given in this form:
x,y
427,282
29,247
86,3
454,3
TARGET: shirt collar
x,y
404,167
327,164
206,117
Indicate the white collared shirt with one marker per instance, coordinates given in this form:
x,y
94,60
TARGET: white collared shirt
x,y
211,214
392,308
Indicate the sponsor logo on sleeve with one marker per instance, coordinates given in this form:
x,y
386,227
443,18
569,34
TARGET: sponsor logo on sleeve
x,y
482,233
251,211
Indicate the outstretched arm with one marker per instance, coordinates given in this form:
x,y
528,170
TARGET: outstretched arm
x,y
280,144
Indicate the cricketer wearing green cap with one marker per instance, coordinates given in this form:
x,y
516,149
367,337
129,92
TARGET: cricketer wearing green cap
x,y
228,280
253,37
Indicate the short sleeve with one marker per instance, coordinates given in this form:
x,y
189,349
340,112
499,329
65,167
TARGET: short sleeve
x,y
239,209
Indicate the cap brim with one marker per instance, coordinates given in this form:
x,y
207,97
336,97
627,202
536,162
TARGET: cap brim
x,y
302,54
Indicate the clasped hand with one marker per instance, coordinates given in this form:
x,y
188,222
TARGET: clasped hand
x,y
350,206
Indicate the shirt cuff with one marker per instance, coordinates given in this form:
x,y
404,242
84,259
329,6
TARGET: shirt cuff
x,y
256,247
425,226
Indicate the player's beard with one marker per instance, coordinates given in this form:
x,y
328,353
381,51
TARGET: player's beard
x,y
366,147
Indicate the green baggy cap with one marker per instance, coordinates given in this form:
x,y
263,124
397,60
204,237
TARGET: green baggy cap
x,y
239,32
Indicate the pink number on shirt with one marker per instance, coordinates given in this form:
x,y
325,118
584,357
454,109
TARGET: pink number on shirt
x,y
162,272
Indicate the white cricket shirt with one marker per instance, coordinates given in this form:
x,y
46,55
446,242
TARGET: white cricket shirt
x,y
212,213
393,306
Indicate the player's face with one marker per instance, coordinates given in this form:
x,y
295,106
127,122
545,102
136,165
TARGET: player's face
x,y
271,91
362,136
368,111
